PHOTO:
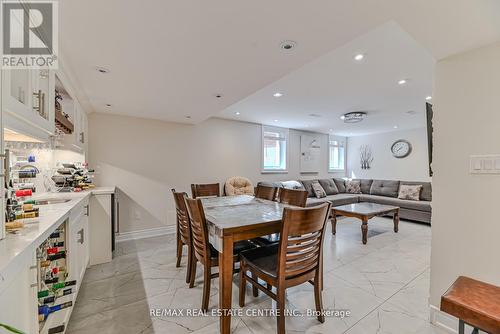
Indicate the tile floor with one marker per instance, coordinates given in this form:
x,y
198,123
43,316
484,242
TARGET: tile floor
x,y
383,284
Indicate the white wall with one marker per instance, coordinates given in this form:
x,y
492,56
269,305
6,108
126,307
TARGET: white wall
x,y
465,222
146,158
415,167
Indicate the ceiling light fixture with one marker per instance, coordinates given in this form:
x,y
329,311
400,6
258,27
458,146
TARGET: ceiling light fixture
x,y
237,113
278,94
275,120
218,96
108,105
353,117
359,57
288,45
395,126
188,117
428,98
102,70
402,82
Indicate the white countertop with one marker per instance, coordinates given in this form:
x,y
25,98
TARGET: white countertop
x,y
17,246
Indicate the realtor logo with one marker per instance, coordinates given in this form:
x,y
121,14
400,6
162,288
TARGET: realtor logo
x,y
30,34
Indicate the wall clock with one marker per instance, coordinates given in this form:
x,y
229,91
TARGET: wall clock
x,y
401,148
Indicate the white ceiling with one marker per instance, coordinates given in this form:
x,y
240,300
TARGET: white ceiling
x,y
169,58
335,84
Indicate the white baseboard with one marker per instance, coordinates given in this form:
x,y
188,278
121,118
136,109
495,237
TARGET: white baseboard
x,y
141,234
443,320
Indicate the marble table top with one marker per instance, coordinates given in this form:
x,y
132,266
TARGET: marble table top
x,y
365,208
233,212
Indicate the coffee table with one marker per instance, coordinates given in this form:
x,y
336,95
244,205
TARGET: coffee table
x,y
364,211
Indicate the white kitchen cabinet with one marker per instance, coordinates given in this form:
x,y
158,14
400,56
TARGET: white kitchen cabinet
x,y
78,246
18,306
28,102
101,229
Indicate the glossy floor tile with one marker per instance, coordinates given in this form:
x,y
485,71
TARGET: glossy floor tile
x,y
380,287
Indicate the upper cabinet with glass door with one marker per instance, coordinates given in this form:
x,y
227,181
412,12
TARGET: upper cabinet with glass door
x,y
28,101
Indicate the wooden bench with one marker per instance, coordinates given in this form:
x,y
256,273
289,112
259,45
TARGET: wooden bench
x,y
474,303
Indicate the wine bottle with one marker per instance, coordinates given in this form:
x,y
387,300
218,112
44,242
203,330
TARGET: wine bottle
x,y
57,256
44,310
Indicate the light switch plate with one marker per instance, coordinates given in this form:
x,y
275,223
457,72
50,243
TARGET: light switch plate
x,y
485,164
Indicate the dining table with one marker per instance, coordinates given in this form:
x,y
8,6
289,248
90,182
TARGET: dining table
x,y
231,219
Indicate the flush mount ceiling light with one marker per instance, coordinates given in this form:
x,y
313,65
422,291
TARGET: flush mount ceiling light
x,y
278,94
353,117
288,45
402,82
428,98
359,57
102,70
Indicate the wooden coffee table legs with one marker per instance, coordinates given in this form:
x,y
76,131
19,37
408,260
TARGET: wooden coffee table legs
x,y
396,221
334,223
364,229
364,219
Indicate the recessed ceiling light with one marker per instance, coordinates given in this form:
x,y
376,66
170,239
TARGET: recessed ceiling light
x,y
237,113
428,98
315,115
102,70
275,120
108,105
359,57
278,94
411,112
342,117
288,45
218,96
188,117
402,82
395,126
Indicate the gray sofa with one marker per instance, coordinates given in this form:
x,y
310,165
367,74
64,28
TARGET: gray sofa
x,y
373,191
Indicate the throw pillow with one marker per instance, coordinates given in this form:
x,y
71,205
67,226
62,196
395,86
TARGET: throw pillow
x,y
353,186
292,184
318,189
410,192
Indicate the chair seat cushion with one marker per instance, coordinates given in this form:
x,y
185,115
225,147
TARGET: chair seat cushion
x,y
264,259
238,247
267,240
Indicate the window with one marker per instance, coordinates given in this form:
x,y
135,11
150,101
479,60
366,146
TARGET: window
x,y
336,153
274,149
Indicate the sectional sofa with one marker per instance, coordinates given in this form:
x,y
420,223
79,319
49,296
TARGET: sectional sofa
x,y
373,191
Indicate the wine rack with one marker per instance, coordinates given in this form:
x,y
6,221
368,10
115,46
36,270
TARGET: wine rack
x,y
53,283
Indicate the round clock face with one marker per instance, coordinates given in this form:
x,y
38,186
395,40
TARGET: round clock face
x,y
401,148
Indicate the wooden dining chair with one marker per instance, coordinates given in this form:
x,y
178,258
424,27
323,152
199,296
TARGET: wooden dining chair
x,y
183,230
203,251
266,192
205,190
297,197
295,260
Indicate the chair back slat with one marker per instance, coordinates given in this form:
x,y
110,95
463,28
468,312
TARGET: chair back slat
x,y
199,230
265,192
182,216
301,243
295,197
205,190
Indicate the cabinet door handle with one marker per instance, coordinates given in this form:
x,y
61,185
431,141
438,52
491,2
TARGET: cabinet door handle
x,y
86,210
82,236
82,137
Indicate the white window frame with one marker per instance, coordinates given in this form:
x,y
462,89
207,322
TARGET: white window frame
x,y
285,133
342,142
